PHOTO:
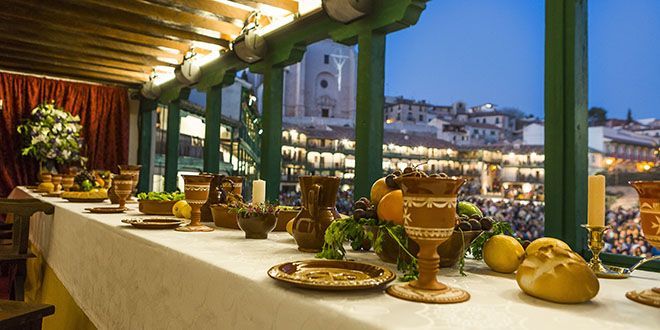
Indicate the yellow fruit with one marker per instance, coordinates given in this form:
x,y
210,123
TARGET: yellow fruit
x,y
503,253
187,211
378,190
289,227
545,241
390,207
178,208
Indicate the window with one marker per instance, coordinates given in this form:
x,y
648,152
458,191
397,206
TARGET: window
x,y
497,120
326,59
492,132
325,112
421,117
324,83
398,116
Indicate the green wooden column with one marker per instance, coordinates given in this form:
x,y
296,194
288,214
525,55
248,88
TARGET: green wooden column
x,y
172,145
369,116
212,131
146,150
271,138
566,127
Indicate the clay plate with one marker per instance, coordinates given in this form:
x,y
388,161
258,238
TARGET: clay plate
x,y
154,223
86,200
331,274
106,209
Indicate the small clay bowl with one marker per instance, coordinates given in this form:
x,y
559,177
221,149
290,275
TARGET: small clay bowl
x,y
156,207
257,227
222,217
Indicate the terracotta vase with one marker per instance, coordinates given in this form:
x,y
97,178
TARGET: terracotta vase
x,y
123,186
57,180
257,227
429,214
214,197
196,189
318,199
649,214
67,181
46,184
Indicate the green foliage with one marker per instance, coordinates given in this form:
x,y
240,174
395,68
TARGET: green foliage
x,y
345,230
162,196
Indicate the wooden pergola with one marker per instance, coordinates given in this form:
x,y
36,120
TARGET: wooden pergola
x,y
122,41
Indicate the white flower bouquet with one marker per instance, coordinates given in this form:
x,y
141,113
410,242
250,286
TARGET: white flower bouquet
x,y
52,136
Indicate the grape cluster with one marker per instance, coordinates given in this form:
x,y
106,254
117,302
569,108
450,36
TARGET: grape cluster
x,y
474,222
364,209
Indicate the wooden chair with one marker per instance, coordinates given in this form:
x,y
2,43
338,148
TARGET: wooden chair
x,y
14,238
19,315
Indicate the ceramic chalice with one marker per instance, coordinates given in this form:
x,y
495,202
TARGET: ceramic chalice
x,y
133,170
57,180
123,185
67,181
649,213
429,214
196,189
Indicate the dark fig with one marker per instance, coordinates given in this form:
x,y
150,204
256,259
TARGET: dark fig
x,y
361,205
486,223
475,224
464,226
391,182
408,170
359,214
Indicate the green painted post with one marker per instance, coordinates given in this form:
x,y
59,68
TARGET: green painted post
x,y
212,131
146,145
369,116
271,138
566,129
172,145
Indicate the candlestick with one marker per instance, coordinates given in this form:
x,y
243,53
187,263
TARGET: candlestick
x,y
258,192
596,244
596,204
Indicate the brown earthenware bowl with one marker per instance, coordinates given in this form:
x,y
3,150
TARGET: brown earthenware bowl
x,y
257,227
222,217
284,216
156,207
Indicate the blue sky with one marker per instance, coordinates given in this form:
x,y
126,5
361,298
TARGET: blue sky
x,y
492,51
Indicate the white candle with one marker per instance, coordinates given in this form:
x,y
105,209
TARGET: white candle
x,y
258,191
596,204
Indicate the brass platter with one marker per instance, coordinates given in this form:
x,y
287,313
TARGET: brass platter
x,y
86,200
106,210
154,223
333,275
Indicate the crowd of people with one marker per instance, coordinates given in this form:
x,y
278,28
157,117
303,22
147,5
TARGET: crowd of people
x,y
528,219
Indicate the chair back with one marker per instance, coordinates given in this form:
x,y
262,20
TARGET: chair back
x,y
21,210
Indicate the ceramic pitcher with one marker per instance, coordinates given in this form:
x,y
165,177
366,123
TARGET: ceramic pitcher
x,y
318,199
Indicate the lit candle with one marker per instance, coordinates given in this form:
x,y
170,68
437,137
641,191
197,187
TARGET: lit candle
x,y
596,204
258,191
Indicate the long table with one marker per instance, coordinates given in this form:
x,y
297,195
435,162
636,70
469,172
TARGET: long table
x,y
127,278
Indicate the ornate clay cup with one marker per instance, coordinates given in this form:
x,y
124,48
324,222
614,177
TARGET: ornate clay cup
x,y
196,189
133,170
649,213
123,185
67,181
46,184
57,180
429,214
318,199
214,197
257,227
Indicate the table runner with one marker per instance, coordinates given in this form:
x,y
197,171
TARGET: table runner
x,y
125,278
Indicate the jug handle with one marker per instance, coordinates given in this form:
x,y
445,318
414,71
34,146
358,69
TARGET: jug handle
x,y
313,200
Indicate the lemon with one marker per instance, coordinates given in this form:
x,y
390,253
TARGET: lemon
x,y
503,253
545,241
289,227
178,208
187,211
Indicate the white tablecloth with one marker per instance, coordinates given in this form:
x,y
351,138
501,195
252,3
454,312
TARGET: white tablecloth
x,y
126,278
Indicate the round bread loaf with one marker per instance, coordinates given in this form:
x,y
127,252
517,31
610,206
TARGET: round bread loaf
x,y
557,275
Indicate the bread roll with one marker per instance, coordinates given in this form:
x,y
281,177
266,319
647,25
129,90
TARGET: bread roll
x,y
557,275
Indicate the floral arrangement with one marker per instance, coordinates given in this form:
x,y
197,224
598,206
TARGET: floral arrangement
x,y
52,136
245,210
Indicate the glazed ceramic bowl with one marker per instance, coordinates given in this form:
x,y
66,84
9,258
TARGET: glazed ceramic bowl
x,y
222,217
156,207
284,216
257,227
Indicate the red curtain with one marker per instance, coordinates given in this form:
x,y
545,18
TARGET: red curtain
x,y
104,116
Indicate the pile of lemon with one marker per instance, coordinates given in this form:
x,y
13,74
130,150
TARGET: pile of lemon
x,y
181,209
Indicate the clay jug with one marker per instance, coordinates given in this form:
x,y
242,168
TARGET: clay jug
x,y
214,197
318,199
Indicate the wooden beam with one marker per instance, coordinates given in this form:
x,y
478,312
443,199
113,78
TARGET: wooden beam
x,y
225,9
85,39
124,20
66,72
170,15
39,52
566,129
288,5
138,76
25,11
63,46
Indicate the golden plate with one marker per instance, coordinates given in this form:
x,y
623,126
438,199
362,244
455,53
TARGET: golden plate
x,y
52,194
86,200
331,274
154,223
106,210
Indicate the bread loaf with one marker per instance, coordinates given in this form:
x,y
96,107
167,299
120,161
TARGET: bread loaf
x,y
557,275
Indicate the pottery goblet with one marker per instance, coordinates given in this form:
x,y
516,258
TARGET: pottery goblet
x,y
133,170
196,189
123,185
429,213
57,179
67,181
649,214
